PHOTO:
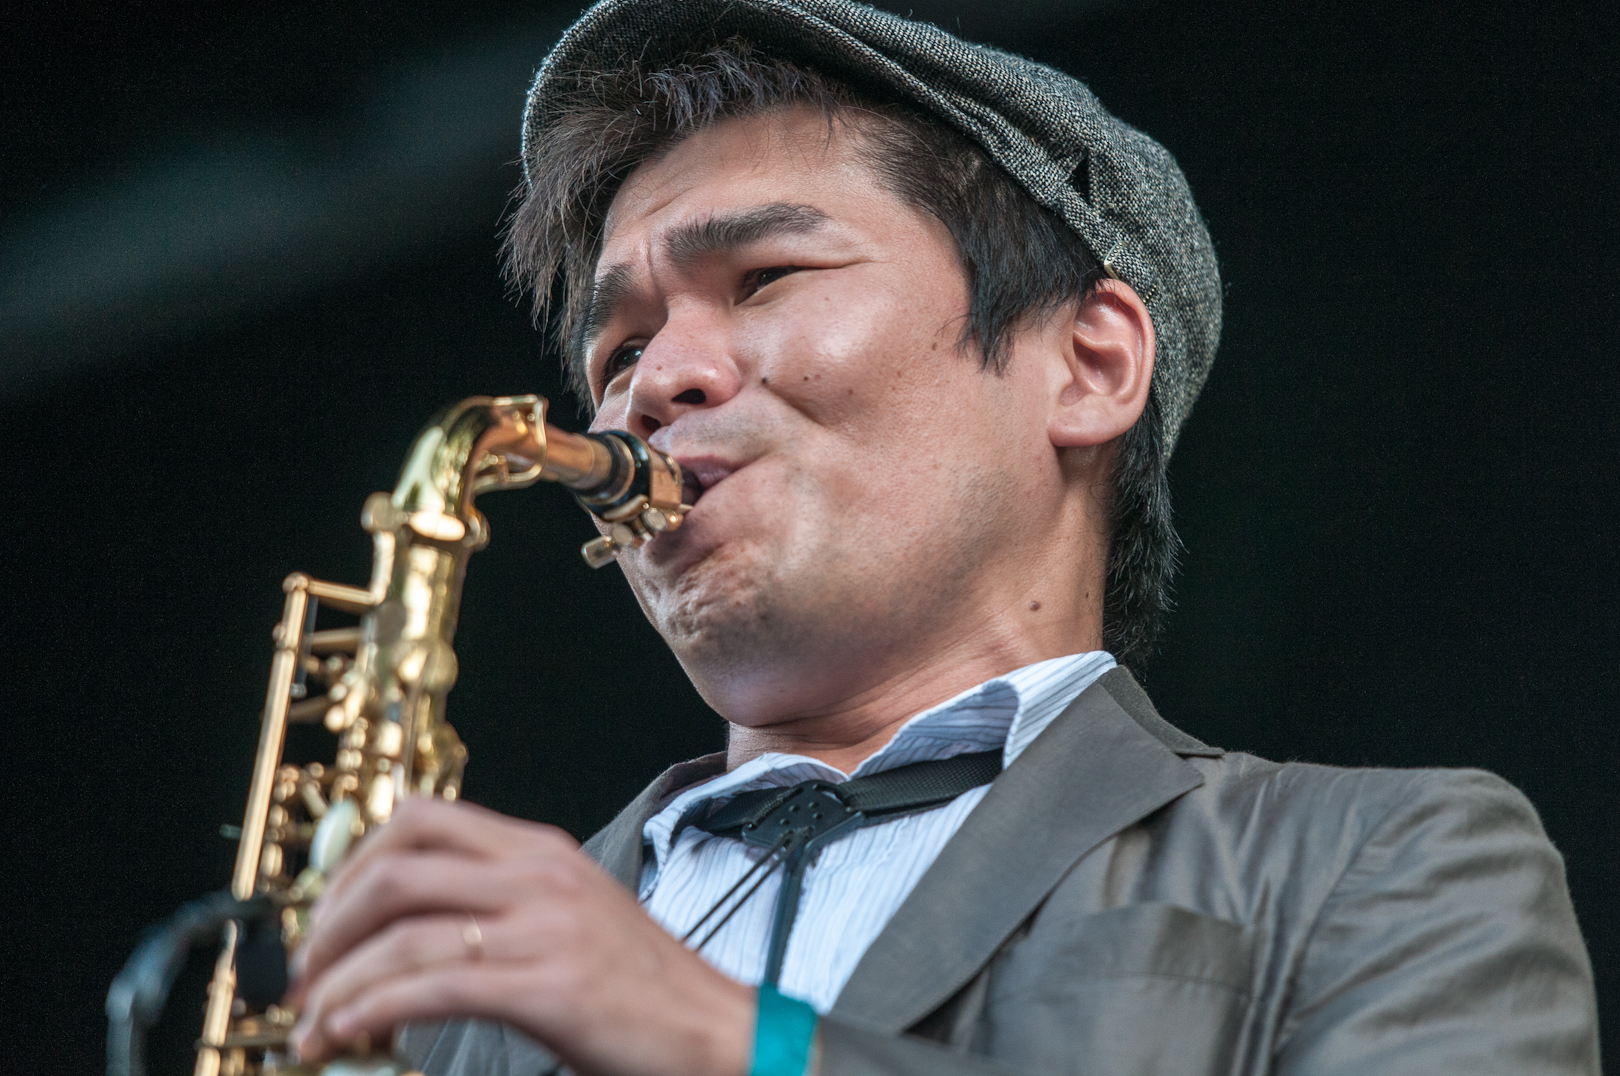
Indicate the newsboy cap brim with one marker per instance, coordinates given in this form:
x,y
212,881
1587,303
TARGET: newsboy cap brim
x,y
1119,189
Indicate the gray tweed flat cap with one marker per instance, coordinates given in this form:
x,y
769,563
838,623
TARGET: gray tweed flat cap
x,y
1119,189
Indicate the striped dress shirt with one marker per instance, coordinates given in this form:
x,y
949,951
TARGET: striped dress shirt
x,y
858,881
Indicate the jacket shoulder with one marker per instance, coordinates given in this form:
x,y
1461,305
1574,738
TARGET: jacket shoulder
x,y
1288,836
1353,804
1349,802
1309,830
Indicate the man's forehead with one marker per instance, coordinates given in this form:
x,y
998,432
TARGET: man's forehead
x,y
791,155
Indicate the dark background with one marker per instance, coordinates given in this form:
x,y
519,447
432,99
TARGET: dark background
x,y
246,251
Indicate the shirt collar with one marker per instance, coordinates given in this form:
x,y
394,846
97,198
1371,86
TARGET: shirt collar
x,y
1007,711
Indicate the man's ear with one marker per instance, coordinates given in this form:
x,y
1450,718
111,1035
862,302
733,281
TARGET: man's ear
x,y
1109,360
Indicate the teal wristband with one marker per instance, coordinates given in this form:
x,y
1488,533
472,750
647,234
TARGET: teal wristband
x,y
782,1034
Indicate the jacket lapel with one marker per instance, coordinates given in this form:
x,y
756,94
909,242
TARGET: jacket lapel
x,y
618,845
1095,770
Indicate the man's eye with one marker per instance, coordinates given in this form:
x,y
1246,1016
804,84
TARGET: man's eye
x,y
761,278
622,359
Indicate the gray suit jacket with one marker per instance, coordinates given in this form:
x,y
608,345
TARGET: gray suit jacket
x,y
1127,901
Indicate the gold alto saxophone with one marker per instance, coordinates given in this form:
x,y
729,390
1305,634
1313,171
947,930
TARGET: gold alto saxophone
x,y
380,687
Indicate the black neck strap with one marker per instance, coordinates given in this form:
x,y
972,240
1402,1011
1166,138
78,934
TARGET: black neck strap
x,y
795,822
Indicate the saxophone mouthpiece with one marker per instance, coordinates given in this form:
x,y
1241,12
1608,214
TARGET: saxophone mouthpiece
x,y
626,483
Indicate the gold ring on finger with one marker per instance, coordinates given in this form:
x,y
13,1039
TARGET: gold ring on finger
x,y
473,939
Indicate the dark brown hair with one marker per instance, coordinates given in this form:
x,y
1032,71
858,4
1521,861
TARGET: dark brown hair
x,y
1020,259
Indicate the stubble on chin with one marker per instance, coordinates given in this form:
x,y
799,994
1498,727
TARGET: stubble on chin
x,y
718,611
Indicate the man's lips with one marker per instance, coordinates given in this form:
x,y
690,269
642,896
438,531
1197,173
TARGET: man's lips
x,y
700,474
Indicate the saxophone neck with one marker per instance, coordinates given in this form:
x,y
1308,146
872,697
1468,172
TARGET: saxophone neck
x,y
504,442
479,444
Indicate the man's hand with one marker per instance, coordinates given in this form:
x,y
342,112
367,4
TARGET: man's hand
x,y
560,951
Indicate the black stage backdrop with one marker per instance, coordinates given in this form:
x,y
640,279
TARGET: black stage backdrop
x,y
246,252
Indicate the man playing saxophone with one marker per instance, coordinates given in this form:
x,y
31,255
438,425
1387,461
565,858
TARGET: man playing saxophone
x,y
921,322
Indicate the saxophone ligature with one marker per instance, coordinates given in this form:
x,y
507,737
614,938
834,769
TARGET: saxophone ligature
x,y
379,687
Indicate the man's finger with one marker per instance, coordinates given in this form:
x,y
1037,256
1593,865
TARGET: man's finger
x,y
407,947
398,886
422,824
465,989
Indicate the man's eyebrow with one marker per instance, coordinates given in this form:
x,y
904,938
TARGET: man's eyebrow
x,y
690,243
693,242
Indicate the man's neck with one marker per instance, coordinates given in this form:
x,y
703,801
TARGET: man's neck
x,y
848,733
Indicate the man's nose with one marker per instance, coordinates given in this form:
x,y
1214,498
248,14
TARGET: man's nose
x,y
681,369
